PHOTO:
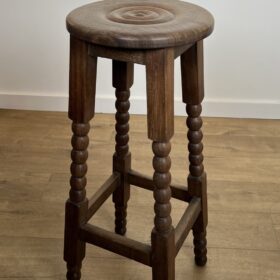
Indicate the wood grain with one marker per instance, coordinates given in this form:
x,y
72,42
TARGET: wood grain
x,y
82,82
192,71
160,91
142,24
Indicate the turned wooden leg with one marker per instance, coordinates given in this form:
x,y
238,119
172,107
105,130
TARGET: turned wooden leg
x,y
122,81
76,206
197,181
81,110
193,94
160,75
163,233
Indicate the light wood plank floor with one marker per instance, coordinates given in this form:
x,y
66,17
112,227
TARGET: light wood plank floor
x,y
242,159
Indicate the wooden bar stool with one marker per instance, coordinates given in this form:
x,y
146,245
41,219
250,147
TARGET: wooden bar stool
x,y
153,33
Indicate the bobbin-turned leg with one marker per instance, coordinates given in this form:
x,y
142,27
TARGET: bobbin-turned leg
x,y
122,81
197,181
81,110
193,94
160,75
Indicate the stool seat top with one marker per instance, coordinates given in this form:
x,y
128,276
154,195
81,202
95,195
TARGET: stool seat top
x,y
146,24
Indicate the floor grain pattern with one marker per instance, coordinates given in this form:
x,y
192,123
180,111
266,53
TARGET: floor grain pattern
x,y
242,159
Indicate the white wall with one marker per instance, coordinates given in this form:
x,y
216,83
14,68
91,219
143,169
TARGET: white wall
x,y
242,59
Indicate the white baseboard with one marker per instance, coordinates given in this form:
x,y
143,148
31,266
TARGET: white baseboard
x,y
33,101
236,108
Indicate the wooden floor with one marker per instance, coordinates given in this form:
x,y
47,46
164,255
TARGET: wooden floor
x,y
242,159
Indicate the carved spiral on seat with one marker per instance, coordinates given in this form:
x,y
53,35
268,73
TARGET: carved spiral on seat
x,y
194,123
141,14
162,191
79,157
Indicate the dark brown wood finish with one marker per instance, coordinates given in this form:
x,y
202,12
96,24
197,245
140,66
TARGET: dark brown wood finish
x,y
104,192
193,94
160,99
116,243
122,81
138,56
160,91
81,110
186,223
192,70
163,235
76,206
137,179
145,24
82,82
119,54
125,32
129,55
197,182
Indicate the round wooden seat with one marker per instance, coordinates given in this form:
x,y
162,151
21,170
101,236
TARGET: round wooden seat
x,y
145,24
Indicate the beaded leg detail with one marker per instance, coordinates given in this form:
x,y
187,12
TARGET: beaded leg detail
x,y
197,180
76,206
163,232
122,81
200,247
122,150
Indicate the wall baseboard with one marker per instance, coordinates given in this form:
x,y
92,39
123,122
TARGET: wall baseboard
x,y
233,108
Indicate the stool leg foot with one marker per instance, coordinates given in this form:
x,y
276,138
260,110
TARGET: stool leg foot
x,y
200,247
120,219
122,81
73,272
